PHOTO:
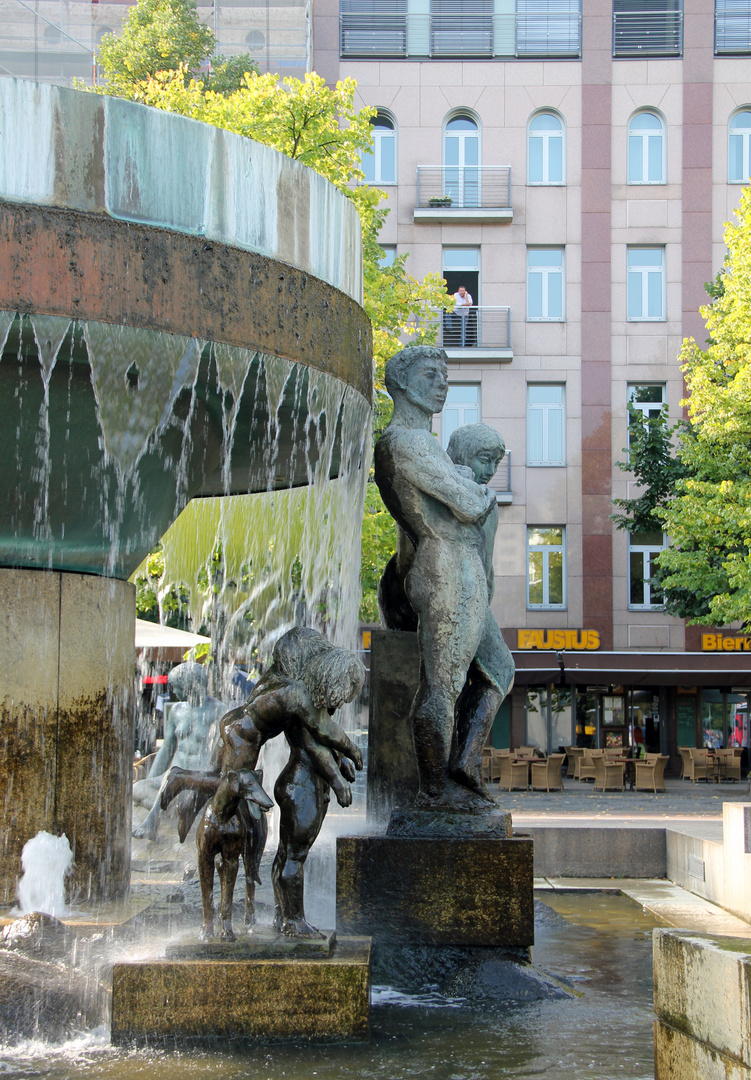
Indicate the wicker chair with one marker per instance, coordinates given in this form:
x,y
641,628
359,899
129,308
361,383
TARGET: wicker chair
x,y
730,763
573,753
700,767
613,752
608,774
514,774
650,774
526,751
546,775
586,767
686,767
496,757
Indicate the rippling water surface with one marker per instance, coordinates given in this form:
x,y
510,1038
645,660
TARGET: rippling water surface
x,y
600,943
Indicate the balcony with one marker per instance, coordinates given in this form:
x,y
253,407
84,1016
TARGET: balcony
x,y
538,28
501,482
484,336
640,30
732,28
454,195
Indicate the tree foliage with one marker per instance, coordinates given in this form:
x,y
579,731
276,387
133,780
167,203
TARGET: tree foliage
x,y
703,500
166,35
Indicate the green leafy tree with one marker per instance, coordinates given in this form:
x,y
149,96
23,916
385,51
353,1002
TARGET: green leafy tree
x,y
165,35
704,500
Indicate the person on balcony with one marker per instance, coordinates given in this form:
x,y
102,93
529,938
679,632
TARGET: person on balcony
x,y
462,303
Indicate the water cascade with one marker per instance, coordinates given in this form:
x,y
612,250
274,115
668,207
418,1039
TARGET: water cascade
x,y
46,861
179,317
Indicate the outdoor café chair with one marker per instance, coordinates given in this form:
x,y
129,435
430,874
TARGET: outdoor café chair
x,y
650,774
686,767
546,775
730,763
573,753
587,764
608,774
526,751
700,767
496,757
514,774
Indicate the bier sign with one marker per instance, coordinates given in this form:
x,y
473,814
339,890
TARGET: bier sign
x,y
557,640
725,643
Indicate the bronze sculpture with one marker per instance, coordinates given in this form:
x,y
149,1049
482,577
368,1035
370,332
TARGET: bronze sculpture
x,y
306,682
438,583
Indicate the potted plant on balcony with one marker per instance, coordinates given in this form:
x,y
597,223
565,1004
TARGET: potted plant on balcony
x,y
438,201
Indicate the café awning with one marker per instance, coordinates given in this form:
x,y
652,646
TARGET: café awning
x,y
156,642
585,668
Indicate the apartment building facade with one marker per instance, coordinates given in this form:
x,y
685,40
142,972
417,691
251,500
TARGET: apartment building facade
x,y
572,167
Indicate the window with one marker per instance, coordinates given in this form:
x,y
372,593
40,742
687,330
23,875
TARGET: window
x,y
648,399
379,165
545,163
732,27
647,27
646,149
643,549
545,300
646,284
462,407
545,425
461,28
389,254
546,582
373,27
548,28
739,137
461,158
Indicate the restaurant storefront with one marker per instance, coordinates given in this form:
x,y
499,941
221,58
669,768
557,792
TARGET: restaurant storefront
x,y
569,692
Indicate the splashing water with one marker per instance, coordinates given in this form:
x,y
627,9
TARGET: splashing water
x,y
45,859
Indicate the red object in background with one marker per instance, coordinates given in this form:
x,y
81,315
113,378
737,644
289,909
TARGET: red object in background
x,y
150,680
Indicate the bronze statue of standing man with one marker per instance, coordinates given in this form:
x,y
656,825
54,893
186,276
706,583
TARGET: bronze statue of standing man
x,y
440,571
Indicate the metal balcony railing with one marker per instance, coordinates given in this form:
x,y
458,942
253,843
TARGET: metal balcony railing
x,y
647,32
732,27
454,187
544,28
480,328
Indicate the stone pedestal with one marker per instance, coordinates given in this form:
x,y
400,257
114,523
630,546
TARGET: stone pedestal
x,y
66,736
243,995
462,891
702,1003
392,768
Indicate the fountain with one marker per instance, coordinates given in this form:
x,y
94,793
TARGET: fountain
x,y
179,317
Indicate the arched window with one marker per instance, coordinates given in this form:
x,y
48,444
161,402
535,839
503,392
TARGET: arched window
x,y
739,140
461,160
379,165
545,150
646,149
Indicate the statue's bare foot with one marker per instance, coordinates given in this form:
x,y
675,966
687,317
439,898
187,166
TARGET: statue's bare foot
x,y
206,932
172,788
146,830
300,928
228,933
471,778
455,798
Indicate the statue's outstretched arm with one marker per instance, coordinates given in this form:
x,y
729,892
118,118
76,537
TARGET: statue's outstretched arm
x,y
326,731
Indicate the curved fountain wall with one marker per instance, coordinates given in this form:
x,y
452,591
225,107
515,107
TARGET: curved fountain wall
x,y
176,302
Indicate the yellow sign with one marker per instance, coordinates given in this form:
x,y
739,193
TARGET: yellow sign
x,y
721,643
558,639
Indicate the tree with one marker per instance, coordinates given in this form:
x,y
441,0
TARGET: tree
x,y
165,35
705,503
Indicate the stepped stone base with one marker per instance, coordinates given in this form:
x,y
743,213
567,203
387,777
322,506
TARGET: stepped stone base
x,y
703,1006
436,890
181,1001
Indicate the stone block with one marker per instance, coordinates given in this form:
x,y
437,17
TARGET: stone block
x,y
702,1002
595,852
202,1000
436,891
392,765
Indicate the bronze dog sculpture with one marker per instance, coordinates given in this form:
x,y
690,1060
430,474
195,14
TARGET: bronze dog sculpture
x,y
232,826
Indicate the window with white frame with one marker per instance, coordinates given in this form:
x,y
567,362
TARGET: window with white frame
x,y
379,164
545,150
545,424
462,407
546,577
643,549
461,158
647,398
646,284
545,292
739,147
646,149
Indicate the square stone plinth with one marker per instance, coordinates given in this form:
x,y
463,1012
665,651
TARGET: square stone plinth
x,y
202,1000
436,891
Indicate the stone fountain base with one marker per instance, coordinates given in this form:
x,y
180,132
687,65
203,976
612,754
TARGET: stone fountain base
x,y
274,990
